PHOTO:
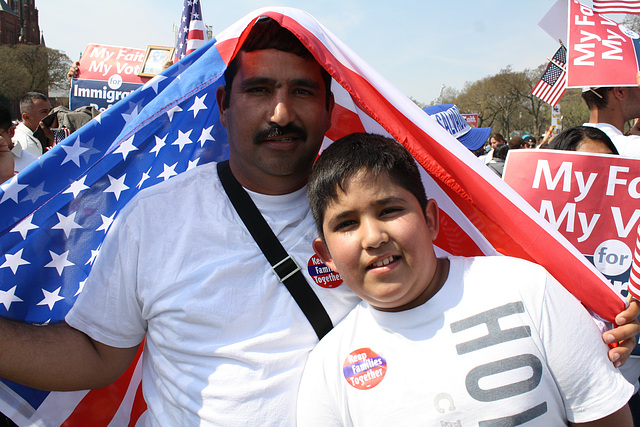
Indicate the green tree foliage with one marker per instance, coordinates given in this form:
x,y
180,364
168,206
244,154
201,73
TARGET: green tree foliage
x,y
25,68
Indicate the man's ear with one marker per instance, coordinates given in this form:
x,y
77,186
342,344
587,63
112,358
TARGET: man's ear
x,y
323,252
432,215
222,108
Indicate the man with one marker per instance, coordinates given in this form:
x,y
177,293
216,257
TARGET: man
x,y
225,343
34,107
609,109
19,158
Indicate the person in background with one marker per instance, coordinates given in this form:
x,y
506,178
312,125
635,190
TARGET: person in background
x,y
584,138
609,109
20,158
34,107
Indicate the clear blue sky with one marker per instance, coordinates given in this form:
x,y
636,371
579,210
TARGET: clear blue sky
x,y
418,45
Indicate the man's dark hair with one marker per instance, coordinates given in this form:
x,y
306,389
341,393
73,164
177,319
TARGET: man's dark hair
x,y
597,98
268,34
26,102
349,155
5,118
570,139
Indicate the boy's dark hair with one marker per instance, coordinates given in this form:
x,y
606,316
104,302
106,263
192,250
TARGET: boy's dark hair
x,y
374,154
570,139
266,33
597,98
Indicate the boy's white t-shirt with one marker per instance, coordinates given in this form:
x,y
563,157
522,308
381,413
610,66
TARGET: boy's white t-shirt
x,y
502,340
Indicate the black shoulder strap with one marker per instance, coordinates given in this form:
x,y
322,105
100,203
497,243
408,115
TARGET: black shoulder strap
x,y
285,268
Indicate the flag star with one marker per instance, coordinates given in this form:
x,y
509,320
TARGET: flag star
x,y
80,287
192,164
24,226
145,176
198,105
94,255
98,119
172,111
8,297
73,152
196,16
106,222
11,190
116,186
50,298
14,261
34,193
59,262
126,147
130,116
186,30
154,82
77,187
206,136
160,142
168,171
183,139
66,223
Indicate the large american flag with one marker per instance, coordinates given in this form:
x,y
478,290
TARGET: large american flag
x,y
616,6
192,32
55,214
553,83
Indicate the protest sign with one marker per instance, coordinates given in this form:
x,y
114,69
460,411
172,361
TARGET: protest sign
x,y
600,51
592,199
106,75
472,119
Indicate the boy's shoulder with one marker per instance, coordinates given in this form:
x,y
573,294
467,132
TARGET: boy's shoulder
x,y
498,266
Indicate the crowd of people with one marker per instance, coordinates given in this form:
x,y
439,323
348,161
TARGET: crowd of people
x,y
225,342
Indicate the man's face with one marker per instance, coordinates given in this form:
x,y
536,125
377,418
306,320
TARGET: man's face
x,y
39,111
631,107
276,120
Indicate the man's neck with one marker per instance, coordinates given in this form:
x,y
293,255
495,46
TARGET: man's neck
x,y
607,116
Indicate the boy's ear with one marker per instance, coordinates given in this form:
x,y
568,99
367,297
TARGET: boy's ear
x,y
432,214
323,252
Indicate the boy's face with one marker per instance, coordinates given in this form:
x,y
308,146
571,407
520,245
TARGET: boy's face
x,y
381,242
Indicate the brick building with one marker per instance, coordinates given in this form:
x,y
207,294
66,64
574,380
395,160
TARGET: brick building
x,y
19,22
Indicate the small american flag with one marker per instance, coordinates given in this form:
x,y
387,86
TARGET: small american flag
x,y
553,83
616,6
192,33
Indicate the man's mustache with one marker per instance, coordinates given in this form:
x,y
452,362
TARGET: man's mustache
x,y
275,131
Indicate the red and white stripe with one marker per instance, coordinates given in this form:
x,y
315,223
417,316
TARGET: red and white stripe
x,y
616,6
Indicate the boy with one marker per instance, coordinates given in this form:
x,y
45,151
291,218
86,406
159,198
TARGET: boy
x,y
453,342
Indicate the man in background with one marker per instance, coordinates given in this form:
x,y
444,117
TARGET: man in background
x,y
34,106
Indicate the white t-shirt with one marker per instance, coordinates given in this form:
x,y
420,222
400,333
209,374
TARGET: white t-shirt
x,y
502,340
24,137
225,341
627,145
21,158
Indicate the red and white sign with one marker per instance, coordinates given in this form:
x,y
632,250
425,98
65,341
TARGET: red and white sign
x,y
601,52
592,199
100,62
472,119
